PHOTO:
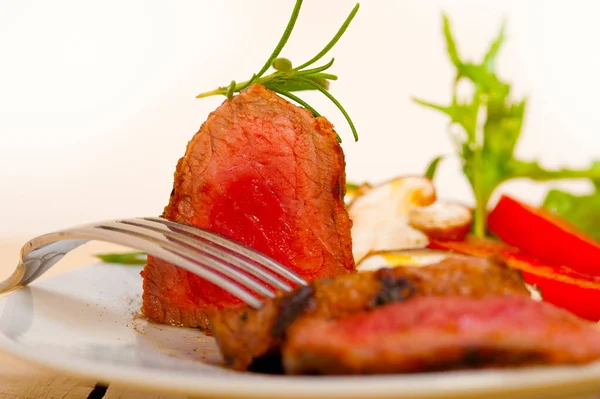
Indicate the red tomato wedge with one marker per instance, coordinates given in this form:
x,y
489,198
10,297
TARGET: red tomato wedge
x,y
564,287
542,235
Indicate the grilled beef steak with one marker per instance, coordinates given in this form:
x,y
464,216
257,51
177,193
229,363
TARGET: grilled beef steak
x,y
266,173
441,333
245,335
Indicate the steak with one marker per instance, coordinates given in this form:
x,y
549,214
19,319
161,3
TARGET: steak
x,y
252,338
268,174
441,333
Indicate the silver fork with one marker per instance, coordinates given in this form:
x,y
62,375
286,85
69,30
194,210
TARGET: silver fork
x,y
234,267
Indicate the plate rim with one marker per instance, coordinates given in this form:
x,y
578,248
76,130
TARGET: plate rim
x,y
449,384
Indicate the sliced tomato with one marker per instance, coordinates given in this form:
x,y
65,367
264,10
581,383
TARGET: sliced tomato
x,y
564,287
544,236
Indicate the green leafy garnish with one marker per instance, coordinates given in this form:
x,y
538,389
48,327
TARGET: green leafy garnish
x,y
125,258
432,167
351,186
486,127
583,211
287,79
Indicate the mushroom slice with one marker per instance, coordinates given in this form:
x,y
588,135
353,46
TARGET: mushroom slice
x,y
380,215
442,220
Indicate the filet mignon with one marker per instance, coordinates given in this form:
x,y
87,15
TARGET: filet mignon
x,y
266,173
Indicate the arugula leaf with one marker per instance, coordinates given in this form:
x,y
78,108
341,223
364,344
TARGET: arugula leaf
x,y
432,167
582,211
126,258
486,128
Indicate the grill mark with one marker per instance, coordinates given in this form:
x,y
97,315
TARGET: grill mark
x,y
290,307
392,289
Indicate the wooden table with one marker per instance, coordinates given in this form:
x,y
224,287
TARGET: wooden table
x,y
20,379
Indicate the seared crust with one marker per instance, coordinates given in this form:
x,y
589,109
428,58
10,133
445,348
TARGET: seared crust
x,y
245,334
264,172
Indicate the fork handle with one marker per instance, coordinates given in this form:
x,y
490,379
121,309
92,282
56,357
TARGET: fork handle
x,y
41,253
37,256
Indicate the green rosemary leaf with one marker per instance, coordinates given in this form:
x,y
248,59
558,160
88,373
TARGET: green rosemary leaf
x,y
333,100
333,41
298,100
317,69
326,76
290,85
285,79
284,38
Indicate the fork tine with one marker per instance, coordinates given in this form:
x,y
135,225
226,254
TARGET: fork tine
x,y
208,261
147,244
234,258
235,247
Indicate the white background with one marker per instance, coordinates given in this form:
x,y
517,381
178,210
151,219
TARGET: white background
x,y
97,98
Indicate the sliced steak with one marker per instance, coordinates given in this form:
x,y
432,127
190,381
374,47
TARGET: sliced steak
x,y
441,333
245,335
266,173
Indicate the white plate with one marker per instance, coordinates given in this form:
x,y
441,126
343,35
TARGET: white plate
x,y
84,323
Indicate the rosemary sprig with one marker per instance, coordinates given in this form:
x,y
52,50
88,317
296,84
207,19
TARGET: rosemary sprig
x,y
287,79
